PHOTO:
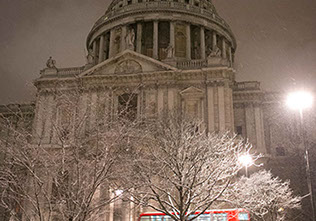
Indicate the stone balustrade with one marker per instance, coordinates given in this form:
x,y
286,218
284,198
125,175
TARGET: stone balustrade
x,y
191,64
70,71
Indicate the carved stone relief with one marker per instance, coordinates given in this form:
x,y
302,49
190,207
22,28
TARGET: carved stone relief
x,y
128,67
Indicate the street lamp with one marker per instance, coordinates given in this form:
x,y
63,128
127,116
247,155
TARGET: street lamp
x,y
300,101
245,160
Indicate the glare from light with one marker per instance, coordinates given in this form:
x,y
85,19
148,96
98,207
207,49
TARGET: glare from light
x,y
118,192
245,160
299,100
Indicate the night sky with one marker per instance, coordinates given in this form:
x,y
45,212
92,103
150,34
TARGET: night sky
x,y
276,40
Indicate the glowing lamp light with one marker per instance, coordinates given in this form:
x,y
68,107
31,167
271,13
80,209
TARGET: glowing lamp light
x,y
245,160
118,192
299,100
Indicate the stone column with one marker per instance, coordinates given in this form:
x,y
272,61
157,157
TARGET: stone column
x,y
230,56
155,40
188,43
95,51
224,55
139,37
123,36
214,43
171,38
111,48
101,49
106,46
202,42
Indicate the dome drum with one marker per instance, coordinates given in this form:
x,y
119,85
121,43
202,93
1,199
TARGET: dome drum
x,y
173,42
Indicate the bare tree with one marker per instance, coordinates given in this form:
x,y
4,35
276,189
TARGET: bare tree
x,y
179,169
70,179
267,198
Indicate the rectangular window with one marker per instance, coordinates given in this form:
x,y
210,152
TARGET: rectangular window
x,y
220,217
243,217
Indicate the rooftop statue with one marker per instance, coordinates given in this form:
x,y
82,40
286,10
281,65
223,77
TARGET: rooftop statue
x,y
90,57
130,39
170,51
51,63
215,52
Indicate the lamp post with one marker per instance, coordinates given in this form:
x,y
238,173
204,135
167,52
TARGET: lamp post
x,y
246,160
300,101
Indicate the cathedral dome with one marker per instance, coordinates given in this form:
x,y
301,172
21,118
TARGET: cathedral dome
x,y
180,30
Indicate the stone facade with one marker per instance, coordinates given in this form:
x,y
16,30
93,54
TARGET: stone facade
x,y
169,55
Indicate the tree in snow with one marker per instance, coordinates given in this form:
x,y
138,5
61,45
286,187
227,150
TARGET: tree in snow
x,y
67,179
267,198
179,169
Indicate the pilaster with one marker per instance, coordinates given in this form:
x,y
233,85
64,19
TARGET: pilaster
x,y
221,108
210,109
171,97
259,129
160,99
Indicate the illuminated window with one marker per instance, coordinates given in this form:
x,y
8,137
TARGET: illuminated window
x,y
220,217
243,216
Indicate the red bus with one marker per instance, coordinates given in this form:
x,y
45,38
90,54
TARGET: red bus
x,y
209,215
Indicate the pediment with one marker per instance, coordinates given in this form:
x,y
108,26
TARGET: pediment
x,y
128,62
192,92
